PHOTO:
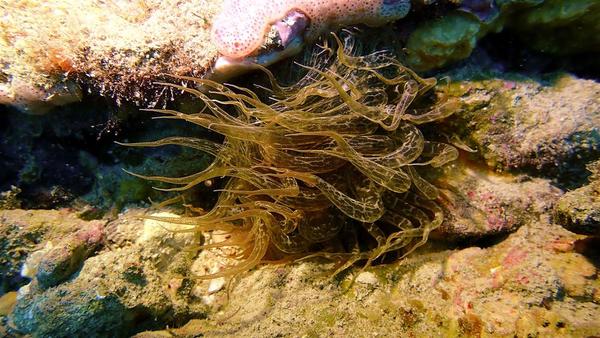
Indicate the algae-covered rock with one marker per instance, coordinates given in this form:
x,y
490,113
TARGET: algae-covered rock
x,y
82,312
116,188
481,203
551,26
23,232
579,210
531,284
50,49
140,282
519,123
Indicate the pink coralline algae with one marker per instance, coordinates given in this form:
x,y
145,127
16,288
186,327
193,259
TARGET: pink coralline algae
x,y
241,26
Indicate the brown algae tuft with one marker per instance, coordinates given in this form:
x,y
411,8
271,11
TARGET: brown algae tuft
x,y
330,166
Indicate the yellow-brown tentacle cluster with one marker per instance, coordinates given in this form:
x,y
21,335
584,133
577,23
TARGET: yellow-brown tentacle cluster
x,y
338,152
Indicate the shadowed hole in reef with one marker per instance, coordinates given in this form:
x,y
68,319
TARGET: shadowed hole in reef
x,y
589,247
57,157
508,50
8,174
485,242
42,154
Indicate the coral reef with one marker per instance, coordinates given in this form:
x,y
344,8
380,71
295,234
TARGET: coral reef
x,y
337,152
348,173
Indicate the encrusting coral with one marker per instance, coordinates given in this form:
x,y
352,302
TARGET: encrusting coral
x,y
329,166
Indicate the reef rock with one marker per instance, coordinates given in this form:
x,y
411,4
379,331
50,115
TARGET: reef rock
x,y
25,232
138,284
63,259
480,203
114,48
519,123
532,283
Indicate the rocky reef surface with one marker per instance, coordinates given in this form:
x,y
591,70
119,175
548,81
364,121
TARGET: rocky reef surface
x,y
516,255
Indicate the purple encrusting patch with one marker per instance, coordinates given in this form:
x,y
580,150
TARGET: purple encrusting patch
x,y
484,10
293,25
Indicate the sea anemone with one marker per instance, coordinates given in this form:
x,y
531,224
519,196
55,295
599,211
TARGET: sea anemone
x,y
331,166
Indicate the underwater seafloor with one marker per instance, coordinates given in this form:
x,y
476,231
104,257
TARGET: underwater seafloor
x,y
83,251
